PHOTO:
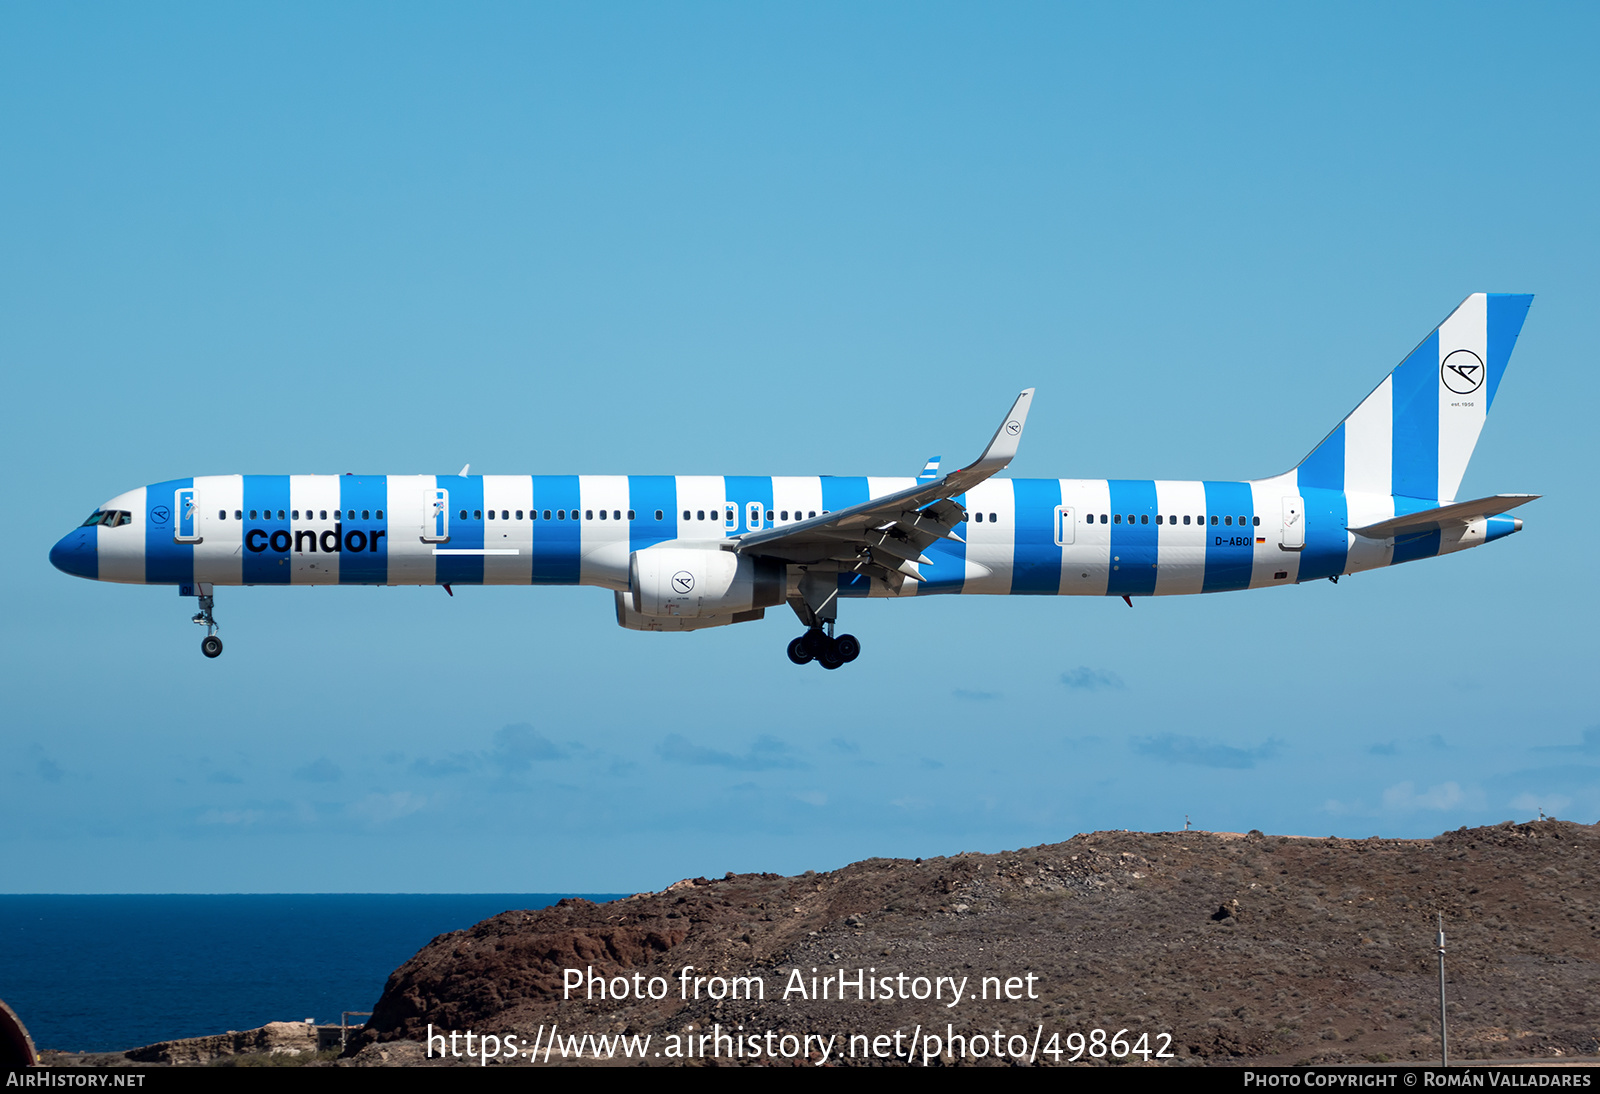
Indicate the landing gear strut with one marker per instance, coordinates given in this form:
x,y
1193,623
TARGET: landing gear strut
x,y
210,645
817,605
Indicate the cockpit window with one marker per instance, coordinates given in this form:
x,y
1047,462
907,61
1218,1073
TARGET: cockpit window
x,y
111,518
94,518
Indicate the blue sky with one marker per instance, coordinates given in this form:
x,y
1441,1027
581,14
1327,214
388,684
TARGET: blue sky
x,y
772,240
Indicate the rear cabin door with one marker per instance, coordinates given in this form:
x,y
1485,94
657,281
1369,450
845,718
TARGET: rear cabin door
x,y
1294,524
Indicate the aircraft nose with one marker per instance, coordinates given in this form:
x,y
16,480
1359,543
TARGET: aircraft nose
x,y
75,554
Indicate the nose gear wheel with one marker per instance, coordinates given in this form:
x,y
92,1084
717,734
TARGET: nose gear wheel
x,y
210,645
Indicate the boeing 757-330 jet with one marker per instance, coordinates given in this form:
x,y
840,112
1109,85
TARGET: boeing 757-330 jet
x,y
682,553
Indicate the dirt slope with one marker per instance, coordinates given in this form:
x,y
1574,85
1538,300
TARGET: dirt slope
x,y
1253,947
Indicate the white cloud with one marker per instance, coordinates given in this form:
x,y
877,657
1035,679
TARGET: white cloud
x,y
1403,797
383,808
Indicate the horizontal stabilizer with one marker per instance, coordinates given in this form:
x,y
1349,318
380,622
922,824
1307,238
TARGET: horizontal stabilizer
x,y
1431,520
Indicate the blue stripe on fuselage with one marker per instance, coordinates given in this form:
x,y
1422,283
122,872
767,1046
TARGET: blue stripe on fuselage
x,y
1327,543
265,496
466,532
1230,548
364,540
648,494
1036,557
1133,542
557,543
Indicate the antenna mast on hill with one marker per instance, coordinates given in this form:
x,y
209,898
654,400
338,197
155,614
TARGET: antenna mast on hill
x,y
1444,1041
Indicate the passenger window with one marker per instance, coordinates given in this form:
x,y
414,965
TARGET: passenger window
x,y
699,514
1144,518
813,512
1213,520
380,514
252,514
325,514
1119,518
602,514
769,516
366,514
1256,521
978,517
630,514
1227,520
463,514
547,514
519,514
588,514
1186,518
238,515
491,514
660,514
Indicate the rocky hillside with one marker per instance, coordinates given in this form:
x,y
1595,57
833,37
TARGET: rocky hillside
x,y
1266,948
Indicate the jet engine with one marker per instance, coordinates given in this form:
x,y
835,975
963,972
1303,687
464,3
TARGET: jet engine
x,y
675,583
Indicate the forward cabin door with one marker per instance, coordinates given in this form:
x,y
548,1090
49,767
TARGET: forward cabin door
x,y
186,522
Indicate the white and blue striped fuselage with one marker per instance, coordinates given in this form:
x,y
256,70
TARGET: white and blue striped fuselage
x,y
1088,537
688,552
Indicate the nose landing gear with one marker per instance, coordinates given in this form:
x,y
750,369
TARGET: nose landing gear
x,y
210,645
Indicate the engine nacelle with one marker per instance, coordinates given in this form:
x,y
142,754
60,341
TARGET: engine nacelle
x,y
627,617
696,582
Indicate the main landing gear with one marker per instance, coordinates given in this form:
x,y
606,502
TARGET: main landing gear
x,y
210,645
820,646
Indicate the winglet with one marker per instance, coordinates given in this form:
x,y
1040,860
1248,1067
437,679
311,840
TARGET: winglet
x,y
463,473
930,470
1003,446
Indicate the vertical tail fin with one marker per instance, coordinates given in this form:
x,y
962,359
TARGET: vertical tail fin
x,y
1414,434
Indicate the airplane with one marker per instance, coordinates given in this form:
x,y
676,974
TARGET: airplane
x,y
684,553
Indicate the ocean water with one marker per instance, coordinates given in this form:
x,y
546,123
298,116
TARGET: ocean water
x,y
101,973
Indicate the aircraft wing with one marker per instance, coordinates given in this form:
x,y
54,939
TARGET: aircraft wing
x,y
1431,520
885,537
